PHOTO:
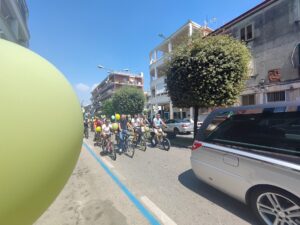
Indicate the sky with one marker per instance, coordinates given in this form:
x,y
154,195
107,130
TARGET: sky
x,y
78,35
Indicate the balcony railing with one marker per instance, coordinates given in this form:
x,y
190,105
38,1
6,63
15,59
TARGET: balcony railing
x,y
158,82
160,99
107,87
135,83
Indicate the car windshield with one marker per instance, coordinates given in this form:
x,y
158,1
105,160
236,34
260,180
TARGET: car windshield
x,y
104,96
187,120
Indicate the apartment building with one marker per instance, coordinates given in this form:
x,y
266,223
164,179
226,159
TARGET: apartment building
x,y
159,101
13,21
113,82
272,33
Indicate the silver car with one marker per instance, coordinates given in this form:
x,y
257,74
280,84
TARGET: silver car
x,y
252,153
179,126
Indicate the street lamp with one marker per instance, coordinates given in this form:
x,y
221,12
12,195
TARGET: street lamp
x,y
162,36
110,70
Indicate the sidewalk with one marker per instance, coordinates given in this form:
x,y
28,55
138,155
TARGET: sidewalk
x,y
91,197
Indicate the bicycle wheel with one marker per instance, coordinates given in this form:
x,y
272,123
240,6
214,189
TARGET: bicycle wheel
x,y
112,151
104,147
143,144
166,144
130,148
153,140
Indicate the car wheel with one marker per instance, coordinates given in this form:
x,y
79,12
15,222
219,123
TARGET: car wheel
x,y
275,206
176,131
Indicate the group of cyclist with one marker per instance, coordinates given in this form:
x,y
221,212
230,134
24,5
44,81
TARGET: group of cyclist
x,y
122,125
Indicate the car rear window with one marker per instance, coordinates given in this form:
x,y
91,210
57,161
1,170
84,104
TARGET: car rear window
x,y
268,130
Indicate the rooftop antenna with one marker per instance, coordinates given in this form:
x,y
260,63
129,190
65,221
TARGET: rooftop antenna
x,y
209,21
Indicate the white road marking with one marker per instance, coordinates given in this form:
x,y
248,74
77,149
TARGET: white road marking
x,y
157,211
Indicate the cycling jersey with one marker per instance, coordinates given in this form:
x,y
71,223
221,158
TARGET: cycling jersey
x,y
106,129
135,122
123,124
157,122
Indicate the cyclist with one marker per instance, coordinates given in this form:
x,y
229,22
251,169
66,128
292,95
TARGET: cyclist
x,y
136,124
92,124
97,123
144,121
86,128
157,124
106,129
123,130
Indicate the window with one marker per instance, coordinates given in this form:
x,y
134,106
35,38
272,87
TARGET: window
x,y
268,131
249,32
248,99
243,34
170,121
278,96
246,33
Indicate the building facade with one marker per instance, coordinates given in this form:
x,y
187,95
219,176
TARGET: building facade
x,y
272,32
159,101
13,21
113,82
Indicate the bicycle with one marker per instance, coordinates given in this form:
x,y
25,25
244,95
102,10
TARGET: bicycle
x,y
97,139
147,134
160,139
140,143
86,132
127,146
92,127
108,147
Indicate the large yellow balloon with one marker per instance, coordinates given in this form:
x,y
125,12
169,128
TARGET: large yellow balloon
x,y
41,131
118,117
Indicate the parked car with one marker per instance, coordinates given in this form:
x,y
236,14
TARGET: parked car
x,y
178,126
252,153
181,126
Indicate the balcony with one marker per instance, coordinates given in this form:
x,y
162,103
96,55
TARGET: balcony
x,y
105,88
159,62
158,82
106,95
130,83
160,99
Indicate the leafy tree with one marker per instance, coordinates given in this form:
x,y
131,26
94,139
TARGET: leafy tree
x,y
207,72
107,107
128,100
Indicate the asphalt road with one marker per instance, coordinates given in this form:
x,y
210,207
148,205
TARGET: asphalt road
x,y
162,182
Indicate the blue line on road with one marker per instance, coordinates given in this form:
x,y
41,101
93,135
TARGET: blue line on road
x,y
132,198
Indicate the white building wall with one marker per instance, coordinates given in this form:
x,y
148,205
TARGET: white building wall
x,y
157,81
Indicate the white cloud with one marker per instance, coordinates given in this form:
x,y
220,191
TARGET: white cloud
x,y
82,87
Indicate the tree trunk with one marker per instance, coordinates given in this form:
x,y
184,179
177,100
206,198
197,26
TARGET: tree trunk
x,y
196,113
